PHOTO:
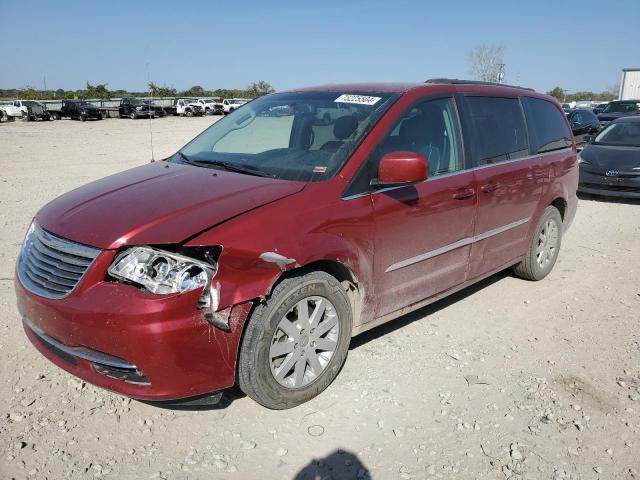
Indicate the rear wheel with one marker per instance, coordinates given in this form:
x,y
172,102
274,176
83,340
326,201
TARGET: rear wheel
x,y
26,117
296,342
545,246
83,118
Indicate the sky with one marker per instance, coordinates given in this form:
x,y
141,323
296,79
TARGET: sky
x,y
578,45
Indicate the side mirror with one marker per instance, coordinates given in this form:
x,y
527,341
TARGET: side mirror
x,y
401,168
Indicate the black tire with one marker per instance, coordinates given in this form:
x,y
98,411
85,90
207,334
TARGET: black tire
x,y
207,111
254,372
26,117
188,112
530,268
133,115
83,118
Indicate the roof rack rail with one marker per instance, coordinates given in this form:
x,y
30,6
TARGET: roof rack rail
x,y
457,81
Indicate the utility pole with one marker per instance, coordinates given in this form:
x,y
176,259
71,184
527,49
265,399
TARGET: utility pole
x,y
44,79
501,68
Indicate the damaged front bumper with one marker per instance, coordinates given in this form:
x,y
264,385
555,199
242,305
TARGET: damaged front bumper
x,y
148,347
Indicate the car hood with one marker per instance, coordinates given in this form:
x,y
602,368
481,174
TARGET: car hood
x,y
158,203
604,157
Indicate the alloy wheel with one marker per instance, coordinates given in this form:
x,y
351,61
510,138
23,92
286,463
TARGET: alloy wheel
x,y
304,342
547,243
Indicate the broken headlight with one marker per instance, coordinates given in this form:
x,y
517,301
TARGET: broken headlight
x,y
163,272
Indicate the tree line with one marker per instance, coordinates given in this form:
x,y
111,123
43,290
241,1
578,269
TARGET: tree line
x,y
563,95
101,91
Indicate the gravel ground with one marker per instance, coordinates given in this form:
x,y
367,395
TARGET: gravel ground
x,y
507,379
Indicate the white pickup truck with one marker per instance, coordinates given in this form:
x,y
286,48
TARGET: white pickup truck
x,y
185,107
230,104
26,110
210,107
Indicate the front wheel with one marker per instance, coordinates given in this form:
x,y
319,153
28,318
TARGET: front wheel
x,y
189,112
296,342
544,248
133,116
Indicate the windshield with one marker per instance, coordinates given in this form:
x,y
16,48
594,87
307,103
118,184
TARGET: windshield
x,y
236,101
303,136
619,107
30,103
625,134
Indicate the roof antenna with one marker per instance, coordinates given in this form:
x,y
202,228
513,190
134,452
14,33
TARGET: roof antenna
x,y
149,107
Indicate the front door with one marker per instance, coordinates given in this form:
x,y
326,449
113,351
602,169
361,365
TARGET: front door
x,y
423,231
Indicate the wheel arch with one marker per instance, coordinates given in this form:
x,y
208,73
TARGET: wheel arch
x,y
561,204
340,272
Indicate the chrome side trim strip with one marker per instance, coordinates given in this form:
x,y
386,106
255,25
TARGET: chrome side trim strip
x,y
458,172
458,244
499,230
81,352
433,253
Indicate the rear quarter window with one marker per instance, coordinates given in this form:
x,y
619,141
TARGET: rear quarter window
x,y
547,126
499,129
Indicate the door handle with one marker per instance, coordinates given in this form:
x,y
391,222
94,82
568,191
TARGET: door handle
x,y
464,193
489,187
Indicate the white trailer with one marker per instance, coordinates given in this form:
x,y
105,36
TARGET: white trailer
x,y
630,84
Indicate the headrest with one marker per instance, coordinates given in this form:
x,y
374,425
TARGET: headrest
x,y
427,123
345,126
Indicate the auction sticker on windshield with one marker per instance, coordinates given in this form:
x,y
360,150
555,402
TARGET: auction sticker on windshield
x,y
357,99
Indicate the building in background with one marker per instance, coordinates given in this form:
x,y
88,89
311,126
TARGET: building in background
x,y
629,84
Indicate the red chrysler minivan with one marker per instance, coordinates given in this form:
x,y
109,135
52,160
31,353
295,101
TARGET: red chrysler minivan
x,y
256,252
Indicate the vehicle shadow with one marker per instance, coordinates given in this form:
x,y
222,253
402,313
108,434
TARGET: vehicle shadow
x,y
202,402
605,199
419,314
338,465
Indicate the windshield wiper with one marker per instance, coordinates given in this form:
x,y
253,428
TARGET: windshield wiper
x,y
230,167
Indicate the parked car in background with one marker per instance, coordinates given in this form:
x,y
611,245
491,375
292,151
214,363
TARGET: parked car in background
x,y
230,104
157,108
583,123
618,109
599,108
77,110
210,107
610,163
26,110
257,251
186,107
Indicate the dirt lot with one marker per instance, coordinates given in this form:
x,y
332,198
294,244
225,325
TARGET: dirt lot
x,y
507,379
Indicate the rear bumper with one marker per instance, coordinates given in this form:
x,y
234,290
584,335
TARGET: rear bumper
x,y
626,187
142,346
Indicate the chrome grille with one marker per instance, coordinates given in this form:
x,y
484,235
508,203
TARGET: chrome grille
x,y
51,266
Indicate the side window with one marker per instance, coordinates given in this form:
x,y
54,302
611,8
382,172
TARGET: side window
x,y
499,130
547,126
430,128
578,118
